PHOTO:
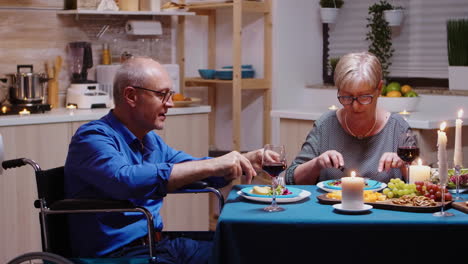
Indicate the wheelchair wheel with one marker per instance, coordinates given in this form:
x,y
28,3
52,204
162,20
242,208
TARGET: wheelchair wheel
x,y
39,257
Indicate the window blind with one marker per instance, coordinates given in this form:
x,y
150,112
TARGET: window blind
x,y
420,43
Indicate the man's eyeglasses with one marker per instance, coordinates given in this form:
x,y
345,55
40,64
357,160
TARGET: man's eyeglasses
x,y
362,99
164,96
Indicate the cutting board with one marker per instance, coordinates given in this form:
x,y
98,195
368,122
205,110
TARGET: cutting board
x,y
388,205
461,206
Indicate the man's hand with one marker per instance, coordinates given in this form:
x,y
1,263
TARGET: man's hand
x,y
233,165
255,158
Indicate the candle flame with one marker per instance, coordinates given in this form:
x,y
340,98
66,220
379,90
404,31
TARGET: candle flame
x,y
460,113
443,126
332,107
353,174
4,109
419,162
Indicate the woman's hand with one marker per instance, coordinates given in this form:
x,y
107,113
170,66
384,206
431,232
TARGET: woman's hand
x,y
390,160
330,159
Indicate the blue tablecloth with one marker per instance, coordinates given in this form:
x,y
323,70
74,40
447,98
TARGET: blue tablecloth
x,y
307,231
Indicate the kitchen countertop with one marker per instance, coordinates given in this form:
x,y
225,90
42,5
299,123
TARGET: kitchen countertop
x,y
64,115
432,109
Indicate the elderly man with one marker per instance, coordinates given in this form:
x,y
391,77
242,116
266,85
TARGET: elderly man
x,y
120,157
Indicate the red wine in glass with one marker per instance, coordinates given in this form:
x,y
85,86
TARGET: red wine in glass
x,y
408,154
274,169
273,163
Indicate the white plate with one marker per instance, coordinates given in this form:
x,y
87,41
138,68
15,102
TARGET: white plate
x,y
364,208
322,186
303,194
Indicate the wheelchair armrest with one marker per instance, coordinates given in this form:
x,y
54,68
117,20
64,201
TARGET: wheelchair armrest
x,y
90,204
198,185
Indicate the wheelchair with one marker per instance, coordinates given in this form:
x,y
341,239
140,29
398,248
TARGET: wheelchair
x,y
53,208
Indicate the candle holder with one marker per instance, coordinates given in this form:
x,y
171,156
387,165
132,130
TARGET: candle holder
x,y
457,173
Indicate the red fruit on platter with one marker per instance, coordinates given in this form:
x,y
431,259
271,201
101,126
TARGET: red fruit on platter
x,y
433,191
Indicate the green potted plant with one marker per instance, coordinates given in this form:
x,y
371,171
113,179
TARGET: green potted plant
x,y
380,35
329,10
457,50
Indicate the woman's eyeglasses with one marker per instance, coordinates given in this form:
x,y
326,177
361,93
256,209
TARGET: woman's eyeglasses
x,y
362,99
164,96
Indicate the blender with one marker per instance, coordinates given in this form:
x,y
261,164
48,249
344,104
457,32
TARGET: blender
x,y
83,93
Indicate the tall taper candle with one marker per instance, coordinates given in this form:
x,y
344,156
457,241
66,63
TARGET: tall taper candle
x,y
442,153
458,151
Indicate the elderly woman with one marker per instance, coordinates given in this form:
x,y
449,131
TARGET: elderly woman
x,y
360,136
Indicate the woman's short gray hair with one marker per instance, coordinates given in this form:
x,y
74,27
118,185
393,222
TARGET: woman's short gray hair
x,y
131,73
354,68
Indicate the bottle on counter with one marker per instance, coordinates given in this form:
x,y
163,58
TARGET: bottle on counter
x,y
106,54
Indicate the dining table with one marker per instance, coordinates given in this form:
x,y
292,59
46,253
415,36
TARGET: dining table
x,y
308,231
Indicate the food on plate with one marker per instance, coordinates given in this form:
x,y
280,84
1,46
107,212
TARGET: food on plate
x,y
261,190
369,196
337,183
180,97
172,6
266,190
397,188
410,200
432,191
463,180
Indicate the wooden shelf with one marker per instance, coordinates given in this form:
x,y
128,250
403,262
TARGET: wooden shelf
x,y
247,83
237,85
247,6
125,13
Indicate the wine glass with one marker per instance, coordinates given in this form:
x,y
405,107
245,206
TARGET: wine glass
x,y
273,163
408,149
443,179
457,174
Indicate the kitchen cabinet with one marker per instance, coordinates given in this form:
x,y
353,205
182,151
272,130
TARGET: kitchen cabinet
x,y
47,144
237,84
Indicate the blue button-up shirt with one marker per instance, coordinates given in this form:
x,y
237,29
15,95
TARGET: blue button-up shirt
x,y
105,160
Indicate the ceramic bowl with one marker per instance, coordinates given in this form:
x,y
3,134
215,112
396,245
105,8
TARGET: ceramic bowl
x,y
226,74
207,73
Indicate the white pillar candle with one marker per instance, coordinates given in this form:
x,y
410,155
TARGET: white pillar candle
x,y
458,151
352,190
442,154
419,172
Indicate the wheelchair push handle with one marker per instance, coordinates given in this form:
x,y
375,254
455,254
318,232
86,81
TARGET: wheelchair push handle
x,y
13,163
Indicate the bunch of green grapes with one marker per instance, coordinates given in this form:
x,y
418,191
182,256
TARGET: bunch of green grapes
x,y
397,188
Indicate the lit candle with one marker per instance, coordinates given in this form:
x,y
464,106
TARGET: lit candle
x,y
24,112
71,108
332,107
4,109
458,152
442,153
352,189
405,114
419,172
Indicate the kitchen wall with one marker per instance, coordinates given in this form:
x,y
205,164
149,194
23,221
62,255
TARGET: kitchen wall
x,y
32,33
297,49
